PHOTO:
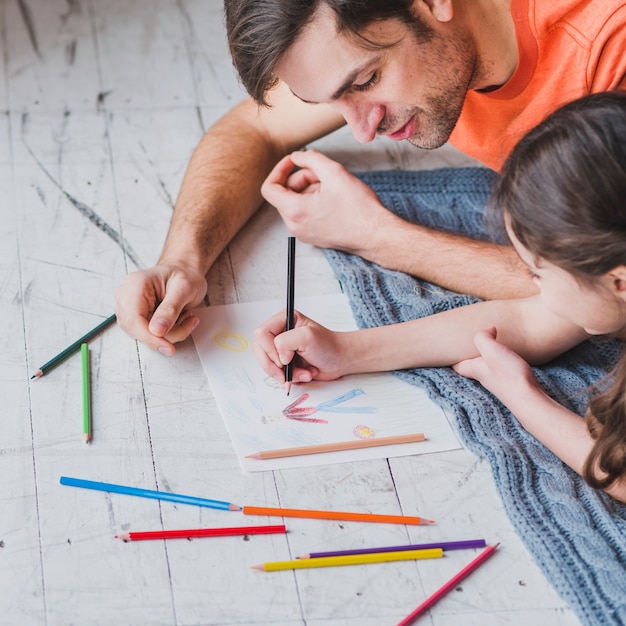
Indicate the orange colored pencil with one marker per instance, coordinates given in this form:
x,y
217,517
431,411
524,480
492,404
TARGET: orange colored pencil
x,y
337,515
335,447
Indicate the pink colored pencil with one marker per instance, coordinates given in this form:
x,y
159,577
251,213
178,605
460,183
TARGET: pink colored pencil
x,y
202,532
451,584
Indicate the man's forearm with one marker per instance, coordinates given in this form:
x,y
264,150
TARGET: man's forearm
x,y
219,193
482,269
221,188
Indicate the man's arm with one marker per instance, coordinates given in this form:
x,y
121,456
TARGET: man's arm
x,y
486,270
325,205
219,193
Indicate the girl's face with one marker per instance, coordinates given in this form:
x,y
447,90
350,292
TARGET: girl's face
x,y
598,308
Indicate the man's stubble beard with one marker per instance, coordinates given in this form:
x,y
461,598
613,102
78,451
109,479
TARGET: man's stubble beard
x,y
446,104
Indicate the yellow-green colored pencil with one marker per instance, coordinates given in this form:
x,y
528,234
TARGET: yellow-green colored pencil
x,y
352,559
84,351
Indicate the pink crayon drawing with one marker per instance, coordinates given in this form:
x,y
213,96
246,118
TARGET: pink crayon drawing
x,y
302,414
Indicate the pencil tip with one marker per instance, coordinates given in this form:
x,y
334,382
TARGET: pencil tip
x,y
37,374
257,567
256,455
288,388
234,507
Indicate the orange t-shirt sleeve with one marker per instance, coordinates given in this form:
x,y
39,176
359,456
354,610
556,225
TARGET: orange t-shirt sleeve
x,y
607,70
563,59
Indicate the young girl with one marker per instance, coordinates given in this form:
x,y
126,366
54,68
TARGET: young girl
x,y
562,198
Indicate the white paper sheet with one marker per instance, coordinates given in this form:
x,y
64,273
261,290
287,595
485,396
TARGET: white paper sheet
x,y
259,415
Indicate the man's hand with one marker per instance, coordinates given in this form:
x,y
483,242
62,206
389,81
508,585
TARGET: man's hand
x,y
324,205
154,305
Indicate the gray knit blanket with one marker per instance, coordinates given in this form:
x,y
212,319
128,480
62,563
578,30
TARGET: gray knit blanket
x,y
576,534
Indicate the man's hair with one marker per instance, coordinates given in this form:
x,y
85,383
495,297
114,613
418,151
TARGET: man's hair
x,y
261,31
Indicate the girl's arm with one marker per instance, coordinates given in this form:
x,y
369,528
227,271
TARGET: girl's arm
x,y
524,325
510,378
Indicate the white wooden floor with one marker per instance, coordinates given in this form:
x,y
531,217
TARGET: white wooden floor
x,y
102,103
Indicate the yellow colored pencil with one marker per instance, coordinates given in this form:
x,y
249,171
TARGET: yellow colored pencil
x,y
352,559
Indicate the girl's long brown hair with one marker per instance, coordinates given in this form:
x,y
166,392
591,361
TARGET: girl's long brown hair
x,y
563,193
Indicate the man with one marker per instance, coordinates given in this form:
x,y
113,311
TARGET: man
x,y
479,73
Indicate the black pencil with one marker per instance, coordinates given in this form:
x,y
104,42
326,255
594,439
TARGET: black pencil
x,y
75,347
291,282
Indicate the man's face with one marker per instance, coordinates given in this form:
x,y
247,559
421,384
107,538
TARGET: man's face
x,y
408,90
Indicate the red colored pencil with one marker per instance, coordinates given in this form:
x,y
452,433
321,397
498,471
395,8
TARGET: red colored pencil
x,y
451,584
202,532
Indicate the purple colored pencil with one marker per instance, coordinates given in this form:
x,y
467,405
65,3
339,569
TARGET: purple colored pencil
x,y
444,545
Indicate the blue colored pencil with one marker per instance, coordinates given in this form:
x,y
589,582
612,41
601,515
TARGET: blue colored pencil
x,y
148,493
444,545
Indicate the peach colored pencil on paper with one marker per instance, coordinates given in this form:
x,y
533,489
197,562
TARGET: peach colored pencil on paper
x,y
336,447
337,515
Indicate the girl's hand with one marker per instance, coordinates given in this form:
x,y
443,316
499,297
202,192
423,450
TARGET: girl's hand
x,y
319,352
500,370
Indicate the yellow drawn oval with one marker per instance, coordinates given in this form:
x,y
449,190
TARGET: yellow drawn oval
x,y
231,340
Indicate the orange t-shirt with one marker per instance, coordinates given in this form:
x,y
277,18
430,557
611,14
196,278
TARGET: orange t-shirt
x,y
567,49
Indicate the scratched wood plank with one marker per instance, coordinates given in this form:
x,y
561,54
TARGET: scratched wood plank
x,y
52,60
107,100
143,55
457,490
70,267
21,571
204,37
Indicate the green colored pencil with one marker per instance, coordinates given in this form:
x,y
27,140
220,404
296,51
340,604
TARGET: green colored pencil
x,y
84,351
75,347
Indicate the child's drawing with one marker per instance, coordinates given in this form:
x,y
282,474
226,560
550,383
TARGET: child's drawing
x,y
295,412
231,340
363,432
259,416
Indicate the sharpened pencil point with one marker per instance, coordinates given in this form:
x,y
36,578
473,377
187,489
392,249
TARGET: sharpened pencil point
x,y
37,374
261,567
288,388
234,507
